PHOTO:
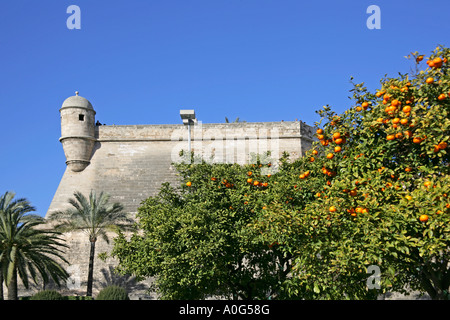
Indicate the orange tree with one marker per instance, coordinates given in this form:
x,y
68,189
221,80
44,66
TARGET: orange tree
x,y
373,191
198,239
385,164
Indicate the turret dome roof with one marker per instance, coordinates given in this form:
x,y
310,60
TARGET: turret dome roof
x,y
77,101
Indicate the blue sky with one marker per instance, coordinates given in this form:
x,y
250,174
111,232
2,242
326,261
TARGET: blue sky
x,y
141,61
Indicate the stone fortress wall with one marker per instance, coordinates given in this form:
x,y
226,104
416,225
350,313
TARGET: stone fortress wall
x,y
131,161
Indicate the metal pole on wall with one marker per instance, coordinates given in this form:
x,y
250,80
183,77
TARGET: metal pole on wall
x,y
188,117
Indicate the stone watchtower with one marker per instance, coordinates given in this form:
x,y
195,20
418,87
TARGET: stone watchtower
x,y
77,132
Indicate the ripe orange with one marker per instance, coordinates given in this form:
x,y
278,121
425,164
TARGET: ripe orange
x,y
417,140
390,109
311,159
427,183
423,218
380,93
437,62
330,156
395,120
336,135
315,152
332,209
442,145
380,120
419,58
442,96
249,173
399,135
395,103
337,149
249,180
406,109
390,137
365,105
302,176
429,80
408,197
255,183
189,183
339,141
408,169
319,131
404,121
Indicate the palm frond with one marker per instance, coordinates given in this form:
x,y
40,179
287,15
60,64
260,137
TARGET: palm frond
x,y
27,248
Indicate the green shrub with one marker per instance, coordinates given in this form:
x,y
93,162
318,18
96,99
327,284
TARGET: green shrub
x,y
47,295
113,293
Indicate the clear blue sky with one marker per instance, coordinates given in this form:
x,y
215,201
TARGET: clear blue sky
x,y
141,61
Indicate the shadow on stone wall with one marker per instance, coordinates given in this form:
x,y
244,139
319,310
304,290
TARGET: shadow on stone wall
x,y
137,290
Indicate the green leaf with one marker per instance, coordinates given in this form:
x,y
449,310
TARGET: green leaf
x,y
316,288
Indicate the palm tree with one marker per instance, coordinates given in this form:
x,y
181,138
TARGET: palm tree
x,y
26,248
95,217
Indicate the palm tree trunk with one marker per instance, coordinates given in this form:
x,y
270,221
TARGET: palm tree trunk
x,y
12,287
91,270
